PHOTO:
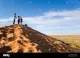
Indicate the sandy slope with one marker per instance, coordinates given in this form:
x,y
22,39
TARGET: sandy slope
x,y
23,39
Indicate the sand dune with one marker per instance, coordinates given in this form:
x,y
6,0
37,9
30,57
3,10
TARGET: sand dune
x,y
23,39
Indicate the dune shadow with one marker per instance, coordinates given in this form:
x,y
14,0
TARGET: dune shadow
x,y
5,49
39,38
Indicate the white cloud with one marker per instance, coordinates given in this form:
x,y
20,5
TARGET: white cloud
x,y
70,13
6,20
50,19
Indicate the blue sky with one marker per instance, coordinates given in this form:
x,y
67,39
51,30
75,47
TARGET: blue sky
x,y
46,16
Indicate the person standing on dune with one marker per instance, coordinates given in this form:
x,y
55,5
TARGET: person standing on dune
x,y
19,19
14,18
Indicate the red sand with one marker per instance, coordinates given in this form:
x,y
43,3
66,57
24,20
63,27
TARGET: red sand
x,y
23,39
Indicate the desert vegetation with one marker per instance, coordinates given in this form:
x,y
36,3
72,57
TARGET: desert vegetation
x,y
70,39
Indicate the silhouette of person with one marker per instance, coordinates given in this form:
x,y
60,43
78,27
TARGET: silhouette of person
x,y
14,18
21,20
18,19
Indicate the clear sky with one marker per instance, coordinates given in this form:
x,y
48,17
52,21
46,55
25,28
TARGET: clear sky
x,y
46,16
